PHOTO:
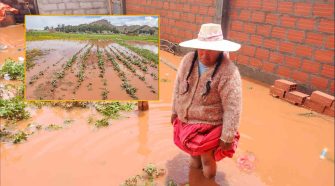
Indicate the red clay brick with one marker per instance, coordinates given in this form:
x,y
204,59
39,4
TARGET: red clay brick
x,y
245,15
250,28
292,61
256,40
262,54
330,42
324,56
237,26
286,47
199,19
284,71
272,19
203,10
268,67
328,70
269,5
243,59
195,8
285,7
295,97
307,24
319,82
309,104
322,98
323,10
276,58
300,76
255,63
258,17
211,11
248,50
295,35
288,21
303,9
207,19
277,92
330,112
332,88
310,66
263,30
255,4
279,32
240,36
271,44
285,85
314,39
304,51
327,26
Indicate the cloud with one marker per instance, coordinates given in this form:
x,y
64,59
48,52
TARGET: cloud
x,y
39,22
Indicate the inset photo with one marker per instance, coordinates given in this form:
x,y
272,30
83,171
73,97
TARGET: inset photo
x,y
92,58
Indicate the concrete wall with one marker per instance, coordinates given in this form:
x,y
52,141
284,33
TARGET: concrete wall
x,y
73,6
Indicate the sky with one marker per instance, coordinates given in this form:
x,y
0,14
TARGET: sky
x,y
39,22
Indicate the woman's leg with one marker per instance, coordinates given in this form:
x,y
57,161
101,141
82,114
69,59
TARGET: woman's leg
x,y
195,162
208,164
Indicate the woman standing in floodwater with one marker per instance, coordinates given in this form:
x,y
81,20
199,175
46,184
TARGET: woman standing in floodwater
x,y
207,100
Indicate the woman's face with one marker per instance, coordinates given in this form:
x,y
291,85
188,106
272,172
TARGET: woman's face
x,y
208,57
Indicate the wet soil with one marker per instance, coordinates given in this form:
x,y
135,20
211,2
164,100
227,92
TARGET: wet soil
x,y
93,86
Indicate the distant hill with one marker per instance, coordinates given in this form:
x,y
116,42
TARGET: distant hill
x,y
104,26
133,29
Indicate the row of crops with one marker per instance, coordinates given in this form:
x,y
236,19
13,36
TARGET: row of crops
x,y
124,61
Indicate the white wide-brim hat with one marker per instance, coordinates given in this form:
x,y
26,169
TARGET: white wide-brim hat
x,y
210,38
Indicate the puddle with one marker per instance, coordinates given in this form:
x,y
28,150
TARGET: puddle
x,y
13,38
144,45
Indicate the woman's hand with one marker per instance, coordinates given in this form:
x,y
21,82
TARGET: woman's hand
x,y
226,146
173,117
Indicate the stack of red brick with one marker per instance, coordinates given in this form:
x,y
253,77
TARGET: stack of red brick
x,y
318,101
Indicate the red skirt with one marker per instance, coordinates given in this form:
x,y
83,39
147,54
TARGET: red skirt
x,y
196,139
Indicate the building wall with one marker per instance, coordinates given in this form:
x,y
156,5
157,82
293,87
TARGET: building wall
x,y
73,6
293,40
180,20
286,39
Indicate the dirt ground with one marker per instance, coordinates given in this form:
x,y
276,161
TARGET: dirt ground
x,y
286,141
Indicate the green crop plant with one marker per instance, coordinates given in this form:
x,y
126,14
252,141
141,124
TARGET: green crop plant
x,y
19,136
141,78
53,127
14,69
13,109
102,122
60,74
129,89
54,83
154,76
112,109
104,94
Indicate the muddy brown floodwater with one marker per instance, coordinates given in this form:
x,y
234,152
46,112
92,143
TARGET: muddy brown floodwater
x,y
144,45
49,79
13,38
285,139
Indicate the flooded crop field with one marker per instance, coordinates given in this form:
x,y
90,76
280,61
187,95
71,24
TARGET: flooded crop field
x,y
89,70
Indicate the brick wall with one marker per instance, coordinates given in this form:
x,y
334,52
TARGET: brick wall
x,y
179,20
289,39
73,6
